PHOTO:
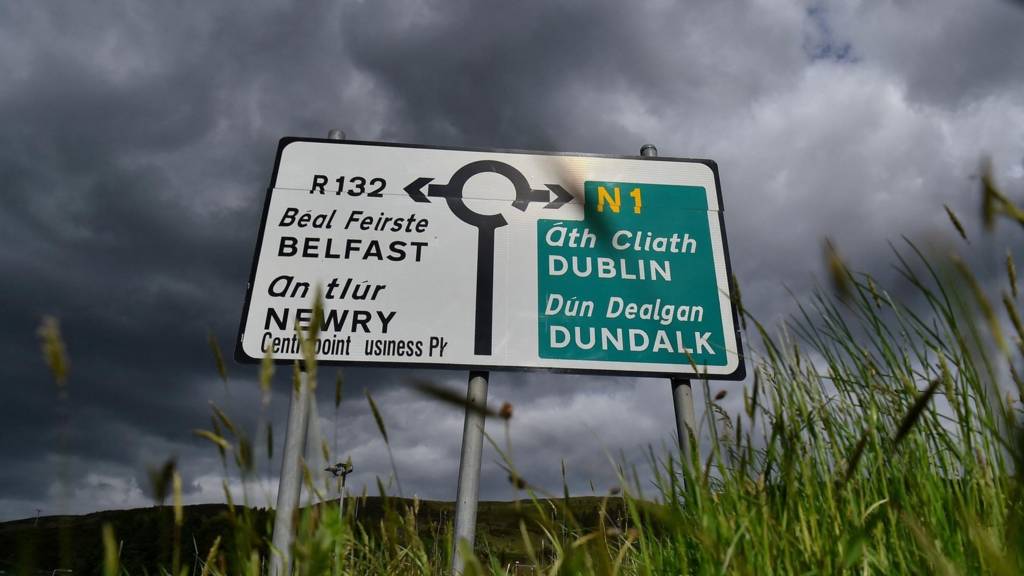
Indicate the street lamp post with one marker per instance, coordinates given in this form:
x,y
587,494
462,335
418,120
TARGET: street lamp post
x,y
340,470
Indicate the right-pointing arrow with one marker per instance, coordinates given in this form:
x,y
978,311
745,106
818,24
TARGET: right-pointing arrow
x,y
562,196
521,202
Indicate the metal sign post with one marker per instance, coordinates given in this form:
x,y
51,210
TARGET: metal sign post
x,y
301,435
682,400
313,459
469,469
290,483
682,394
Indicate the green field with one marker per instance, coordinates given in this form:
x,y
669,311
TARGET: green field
x,y
881,435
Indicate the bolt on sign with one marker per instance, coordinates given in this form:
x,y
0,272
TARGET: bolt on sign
x,y
457,258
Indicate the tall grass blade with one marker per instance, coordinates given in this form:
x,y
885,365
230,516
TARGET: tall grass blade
x,y
111,561
211,556
384,434
452,398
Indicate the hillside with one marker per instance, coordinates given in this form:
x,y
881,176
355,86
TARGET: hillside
x,y
145,535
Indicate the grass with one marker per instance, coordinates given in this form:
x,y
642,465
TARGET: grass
x,y
880,435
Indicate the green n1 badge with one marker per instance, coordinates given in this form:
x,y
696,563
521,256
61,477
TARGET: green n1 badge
x,y
634,281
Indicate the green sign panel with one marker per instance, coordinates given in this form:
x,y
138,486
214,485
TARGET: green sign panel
x,y
634,281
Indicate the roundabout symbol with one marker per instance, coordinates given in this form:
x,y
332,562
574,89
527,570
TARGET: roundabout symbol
x,y
485,224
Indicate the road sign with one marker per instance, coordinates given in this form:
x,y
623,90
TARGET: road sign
x,y
490,260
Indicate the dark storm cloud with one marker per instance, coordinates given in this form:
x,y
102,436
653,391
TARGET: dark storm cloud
x,y
136,144
550,74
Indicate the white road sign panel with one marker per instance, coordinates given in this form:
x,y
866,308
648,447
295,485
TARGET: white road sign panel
x,y
440,257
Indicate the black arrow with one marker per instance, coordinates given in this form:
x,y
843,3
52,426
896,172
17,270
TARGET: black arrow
x,y
443,191
415,189
562,196
521,203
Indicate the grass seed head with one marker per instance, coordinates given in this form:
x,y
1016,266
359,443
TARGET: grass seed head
x,y
915,412
266,376
989,194
983,302
838,272
956,222
212,437
339,382
160,479
376,416
218,357
517,481
179,510
1011,272
53,350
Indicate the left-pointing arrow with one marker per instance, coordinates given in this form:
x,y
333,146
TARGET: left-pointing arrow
x,y
415,189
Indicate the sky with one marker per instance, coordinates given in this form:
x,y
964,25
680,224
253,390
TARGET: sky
x,y
137,140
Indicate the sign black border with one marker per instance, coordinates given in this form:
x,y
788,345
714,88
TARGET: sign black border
x,y
243,358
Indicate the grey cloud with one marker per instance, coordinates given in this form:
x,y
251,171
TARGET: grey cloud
x,y
951,54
